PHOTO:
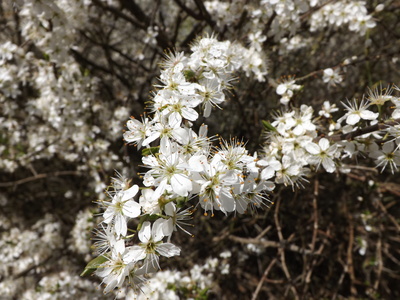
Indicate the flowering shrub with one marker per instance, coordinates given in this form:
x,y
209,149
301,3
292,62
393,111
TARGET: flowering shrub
x,y
306,87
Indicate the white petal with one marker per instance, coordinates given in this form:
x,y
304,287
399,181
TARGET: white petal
x,y
168,250
130,193
134,254
241,205
165,145
108,215
227,201
181,184
152,137
131,209
174,119
148,179
181,135
368,115
120,225
203,130
281,89
170,209
207,110
150,160
190,114
388,147
275,164
293,170
352,119
324,144
197,162
168,227
396,113
160,189
268,185
157,230
145,232
230,178
313,148
110,286
329,165
299,130
267,173
119,246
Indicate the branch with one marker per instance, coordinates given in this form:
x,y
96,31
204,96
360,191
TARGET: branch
x,y
120,14
39,176
188,10
352,135
135,10
206,15
162,38
271,244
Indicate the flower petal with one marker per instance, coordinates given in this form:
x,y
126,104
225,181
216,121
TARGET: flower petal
x,y
120,225
130,193
145,232
313,148
131,209
328,164
352,119
181,184
323,144
168,250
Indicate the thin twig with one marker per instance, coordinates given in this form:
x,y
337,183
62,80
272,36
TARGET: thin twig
x,y
391,218
350,266
315,213
263,278
281,250
271,244
379,262
39,176
314,236
352,135
264,232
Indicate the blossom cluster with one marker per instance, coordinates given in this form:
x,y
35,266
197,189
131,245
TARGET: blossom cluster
x,y
71,72
293,144
174,284
354,14
184,165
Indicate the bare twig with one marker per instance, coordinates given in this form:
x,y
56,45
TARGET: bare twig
x,y
379,263
281,251
351,135
263,278
309,268
39,176
264,232
271,244
349,263
391,218
315,213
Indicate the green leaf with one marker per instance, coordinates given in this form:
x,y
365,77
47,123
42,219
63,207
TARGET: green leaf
x,y
267,125
190,75
93,265
151,150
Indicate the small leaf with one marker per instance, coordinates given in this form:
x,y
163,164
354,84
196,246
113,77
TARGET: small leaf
x,y
190,75
267,125
150,151
181,201
93,265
